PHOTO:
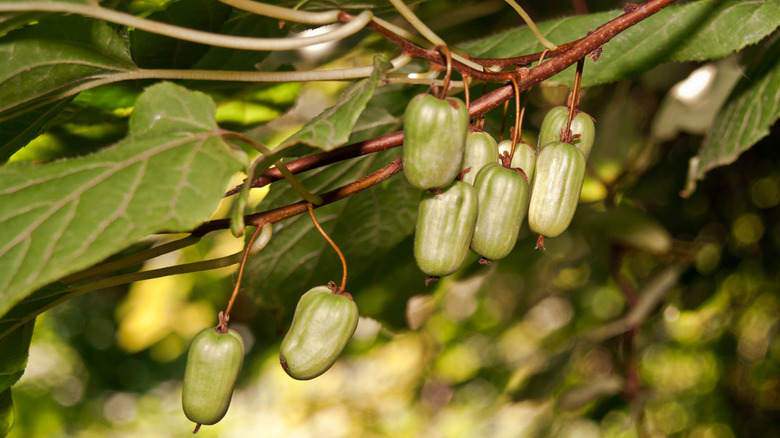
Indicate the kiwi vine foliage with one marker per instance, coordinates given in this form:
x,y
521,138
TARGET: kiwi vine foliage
x,y
94,175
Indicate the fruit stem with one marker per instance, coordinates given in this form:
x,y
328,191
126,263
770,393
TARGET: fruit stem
x,y
448,56
197,428
575,99
517,135
247,250
333,244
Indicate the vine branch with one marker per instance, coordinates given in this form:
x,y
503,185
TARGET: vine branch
x,y
566,55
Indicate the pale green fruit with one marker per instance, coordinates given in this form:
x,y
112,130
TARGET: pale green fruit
x,y
445,224
560,171
323,324
503,201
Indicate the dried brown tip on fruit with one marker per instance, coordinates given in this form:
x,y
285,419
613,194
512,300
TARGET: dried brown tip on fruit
x,y
484,261
540,243
431,279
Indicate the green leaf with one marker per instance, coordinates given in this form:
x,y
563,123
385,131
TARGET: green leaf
x,y
332,128
15,347
57,54
365,226
168,174
6,412
695,31
749,112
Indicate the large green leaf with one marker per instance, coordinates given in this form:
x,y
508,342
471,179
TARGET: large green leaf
x,y
168,174
332,128
57,54
365,226
695,31
749,112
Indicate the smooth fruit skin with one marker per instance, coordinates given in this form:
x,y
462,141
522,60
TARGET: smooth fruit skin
x,y
560,171
434,139
503,202
213,363
445,225
582,124
323,324
524,157
481,149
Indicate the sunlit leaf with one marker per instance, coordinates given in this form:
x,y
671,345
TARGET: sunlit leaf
x,y
746,117
168,174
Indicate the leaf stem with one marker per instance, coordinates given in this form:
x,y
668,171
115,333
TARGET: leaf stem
x,y
204,265
424,30
285,14
186,34
131,260
339,74
531,25
422,42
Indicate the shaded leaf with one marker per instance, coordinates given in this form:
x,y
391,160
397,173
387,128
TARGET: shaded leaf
x,y
746,117
332,128
246,25
15,347
6,412
13,20
32,306
695,31
152,50
365,226
19,131
168,174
